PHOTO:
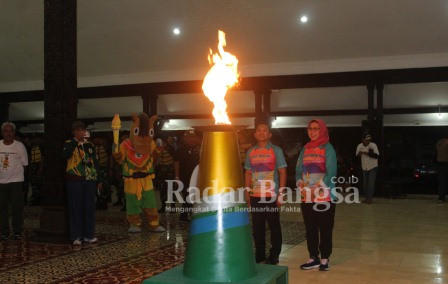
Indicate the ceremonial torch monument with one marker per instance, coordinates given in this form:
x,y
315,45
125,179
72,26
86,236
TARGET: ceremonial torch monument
x,y
220,247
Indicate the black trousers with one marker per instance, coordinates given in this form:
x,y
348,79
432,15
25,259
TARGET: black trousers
x,y
81,208
11,194
319,224
262,213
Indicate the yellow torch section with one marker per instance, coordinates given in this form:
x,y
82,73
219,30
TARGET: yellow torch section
x,y
116,126
220,168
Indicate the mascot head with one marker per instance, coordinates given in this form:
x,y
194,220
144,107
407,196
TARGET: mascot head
x,y
142,132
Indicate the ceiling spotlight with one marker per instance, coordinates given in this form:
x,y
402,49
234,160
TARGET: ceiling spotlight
x,y
304,19
176,31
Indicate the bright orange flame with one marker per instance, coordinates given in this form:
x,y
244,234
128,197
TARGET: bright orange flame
x,y
221,77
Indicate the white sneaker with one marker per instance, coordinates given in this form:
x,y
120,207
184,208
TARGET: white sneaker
x,y
158,229
94,240
134,229
77,242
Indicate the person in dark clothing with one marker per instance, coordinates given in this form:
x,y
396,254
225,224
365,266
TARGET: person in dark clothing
x,y
36,166
81,180
115,171
103,196
186,159
264,177
164,171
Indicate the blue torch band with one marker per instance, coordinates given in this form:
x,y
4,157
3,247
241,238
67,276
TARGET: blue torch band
x,y
219,222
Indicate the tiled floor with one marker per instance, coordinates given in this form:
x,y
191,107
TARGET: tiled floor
x,y
390,241
118,257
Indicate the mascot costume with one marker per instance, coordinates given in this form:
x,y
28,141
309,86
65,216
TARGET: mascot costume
x,y
136,154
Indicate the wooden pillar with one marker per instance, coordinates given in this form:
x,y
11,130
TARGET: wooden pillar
x,y
379,122
368,125
258,105
4,111
267,106
146,106
267,103
60,108
370,103
152,105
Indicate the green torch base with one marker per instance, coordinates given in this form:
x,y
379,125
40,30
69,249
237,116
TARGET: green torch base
x,y
266,274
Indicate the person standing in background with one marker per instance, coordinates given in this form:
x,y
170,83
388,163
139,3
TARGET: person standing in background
x,y
186,158
14,161
36,167
116,172
164,171
103,197
81,177
368,151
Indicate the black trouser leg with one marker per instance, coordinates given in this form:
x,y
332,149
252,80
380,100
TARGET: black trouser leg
x,y
17,203
4,209
312,229
258,229
273,218
326,224
186,206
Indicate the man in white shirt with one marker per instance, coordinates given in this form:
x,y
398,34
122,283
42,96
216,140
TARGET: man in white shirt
x,y
368,151
14,159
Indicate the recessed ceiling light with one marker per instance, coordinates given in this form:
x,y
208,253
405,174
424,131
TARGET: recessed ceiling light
x,y
304,19
176,31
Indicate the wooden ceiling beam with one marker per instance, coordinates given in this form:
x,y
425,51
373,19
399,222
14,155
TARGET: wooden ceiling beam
x,y
321,80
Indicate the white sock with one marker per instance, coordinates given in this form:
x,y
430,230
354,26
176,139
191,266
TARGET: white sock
x,y
324,261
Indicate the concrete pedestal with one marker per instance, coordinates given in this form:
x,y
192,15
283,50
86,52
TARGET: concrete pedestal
x,y
266,274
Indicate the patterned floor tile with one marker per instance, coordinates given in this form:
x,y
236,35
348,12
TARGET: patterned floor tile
x,y
118,257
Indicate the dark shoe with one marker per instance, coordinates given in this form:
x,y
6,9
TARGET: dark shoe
x,y
313,262
272,260
184,219
369,201
158,229
440,201
101,206
260,259
34,203
4,238
17,237
325,267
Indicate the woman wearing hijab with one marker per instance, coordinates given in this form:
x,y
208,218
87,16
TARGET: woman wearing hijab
x,y
316,166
